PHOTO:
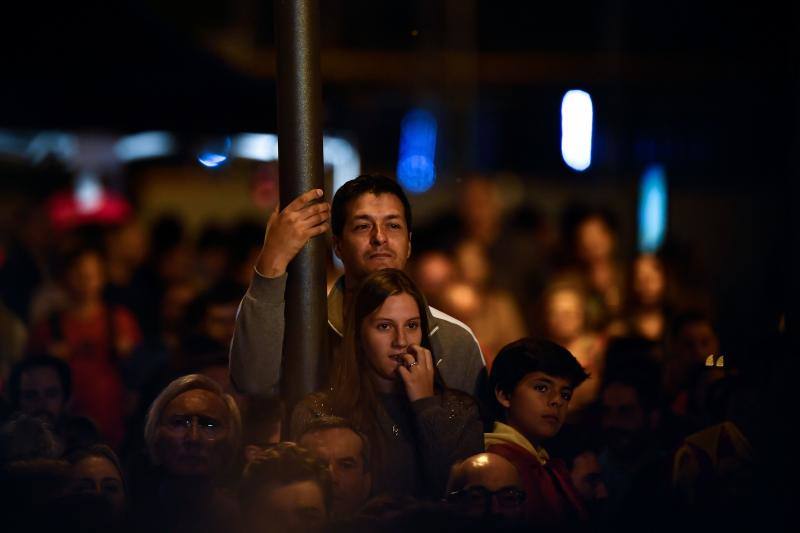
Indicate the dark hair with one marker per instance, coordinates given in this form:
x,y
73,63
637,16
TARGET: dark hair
x,y
691,316
77,455
336,422
260,415
573,441
365,184
38,361
281,465
527,355
353,392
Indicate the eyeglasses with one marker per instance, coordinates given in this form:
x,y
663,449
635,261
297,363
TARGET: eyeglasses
x,y
206,426
506,497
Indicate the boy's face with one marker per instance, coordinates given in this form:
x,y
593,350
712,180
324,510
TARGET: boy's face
x,y
538,405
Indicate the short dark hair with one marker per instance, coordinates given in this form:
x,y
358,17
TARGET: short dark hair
x,y
336,422
38,361
281,465
527,355
366,183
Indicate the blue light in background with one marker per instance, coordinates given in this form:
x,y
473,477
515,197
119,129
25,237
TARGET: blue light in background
x,y
576,129
215,154
652,209
415,165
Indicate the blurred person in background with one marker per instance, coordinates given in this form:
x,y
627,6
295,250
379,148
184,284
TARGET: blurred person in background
x,y
126,251
591,235
565,322
634,460
433,271
691,342
647,312
13,339
481,210
493,315
41,386
92,337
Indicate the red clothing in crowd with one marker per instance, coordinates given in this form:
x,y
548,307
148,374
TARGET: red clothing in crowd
x,y
92,345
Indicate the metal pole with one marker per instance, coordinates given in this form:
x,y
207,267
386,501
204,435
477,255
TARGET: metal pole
x,y
301,168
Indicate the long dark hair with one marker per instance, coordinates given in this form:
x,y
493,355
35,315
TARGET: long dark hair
x,y
353,390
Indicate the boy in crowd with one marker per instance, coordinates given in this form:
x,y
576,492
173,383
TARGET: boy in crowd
x,y
533,381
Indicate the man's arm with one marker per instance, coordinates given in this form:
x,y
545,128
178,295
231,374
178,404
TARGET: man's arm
x,y
257,344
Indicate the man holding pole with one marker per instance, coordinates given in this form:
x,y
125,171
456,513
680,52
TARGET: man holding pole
x,y
371,220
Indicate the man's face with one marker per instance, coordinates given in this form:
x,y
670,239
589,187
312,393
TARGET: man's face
x,y
486,474
374,236
696,342
587,477
294,508
343,450
40,393
538,406
623,419
193,434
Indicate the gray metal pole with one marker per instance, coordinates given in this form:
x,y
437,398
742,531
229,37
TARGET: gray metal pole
x,y
301,168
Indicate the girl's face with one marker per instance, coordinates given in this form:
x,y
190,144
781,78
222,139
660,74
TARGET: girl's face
x,y
98,475
388,332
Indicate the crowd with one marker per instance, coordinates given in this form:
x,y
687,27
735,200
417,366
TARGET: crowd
x,y
498,375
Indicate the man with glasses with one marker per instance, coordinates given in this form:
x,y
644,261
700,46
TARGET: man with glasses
x,y
486,484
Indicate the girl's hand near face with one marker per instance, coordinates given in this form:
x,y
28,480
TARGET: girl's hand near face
x,y
417,372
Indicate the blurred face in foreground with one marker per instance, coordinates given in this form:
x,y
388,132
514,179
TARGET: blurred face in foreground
x,y
298,507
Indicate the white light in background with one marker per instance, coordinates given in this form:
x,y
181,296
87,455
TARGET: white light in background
x,y
88,192
652,209
577,116
336,152
144,145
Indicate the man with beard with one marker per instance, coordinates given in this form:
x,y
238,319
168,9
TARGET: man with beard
x,y
41,386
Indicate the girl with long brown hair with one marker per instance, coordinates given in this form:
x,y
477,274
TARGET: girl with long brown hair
x,y
386,382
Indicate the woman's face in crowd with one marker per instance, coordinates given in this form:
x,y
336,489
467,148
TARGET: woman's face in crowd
x,y
98,475
565,315
595,240
388,332
648,280
86,277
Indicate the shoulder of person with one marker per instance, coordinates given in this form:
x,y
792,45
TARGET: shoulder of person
x,y
450,329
